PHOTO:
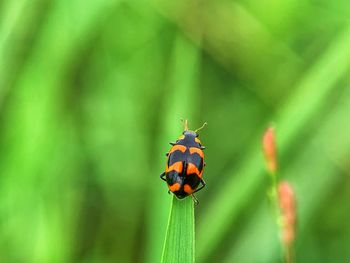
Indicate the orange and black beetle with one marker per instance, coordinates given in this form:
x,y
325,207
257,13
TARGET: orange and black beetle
x,y
184,168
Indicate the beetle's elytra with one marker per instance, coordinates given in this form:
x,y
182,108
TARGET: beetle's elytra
x,y
184,169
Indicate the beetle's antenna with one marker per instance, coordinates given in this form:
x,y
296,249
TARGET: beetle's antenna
x,y
185,123
200,128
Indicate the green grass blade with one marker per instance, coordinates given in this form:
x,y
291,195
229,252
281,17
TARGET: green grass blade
x,y
179,241
181,88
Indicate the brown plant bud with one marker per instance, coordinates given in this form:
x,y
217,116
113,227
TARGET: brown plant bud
x,y
269,148
287,206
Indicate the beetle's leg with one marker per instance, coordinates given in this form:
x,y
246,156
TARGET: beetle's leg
x,y
172,143
200,188
195,200
169,192
162,176
167,154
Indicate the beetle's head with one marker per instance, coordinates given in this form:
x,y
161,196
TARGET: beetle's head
x,y
190,137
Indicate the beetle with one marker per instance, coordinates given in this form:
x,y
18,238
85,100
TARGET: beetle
x,y
184,168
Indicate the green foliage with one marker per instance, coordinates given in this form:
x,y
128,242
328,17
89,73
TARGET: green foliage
x,y
91,92
179,241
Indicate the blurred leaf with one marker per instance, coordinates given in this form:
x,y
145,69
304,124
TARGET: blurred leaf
x,y
313,176
301,106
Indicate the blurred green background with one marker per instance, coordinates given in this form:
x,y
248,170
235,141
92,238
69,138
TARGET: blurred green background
x,y
91,92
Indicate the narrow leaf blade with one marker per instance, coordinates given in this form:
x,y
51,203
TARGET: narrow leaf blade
x,y
179,241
